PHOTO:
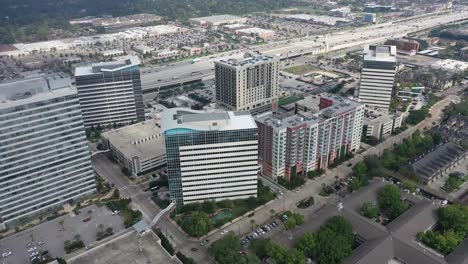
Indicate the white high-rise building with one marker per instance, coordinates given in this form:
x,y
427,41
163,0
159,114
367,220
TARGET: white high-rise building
x,y
44,155
378,76
210,155
110,92
249,84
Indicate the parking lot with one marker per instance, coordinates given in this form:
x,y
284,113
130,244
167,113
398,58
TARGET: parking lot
x,y
51,235
128,249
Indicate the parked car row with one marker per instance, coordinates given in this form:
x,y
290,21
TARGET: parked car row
x,y
259,232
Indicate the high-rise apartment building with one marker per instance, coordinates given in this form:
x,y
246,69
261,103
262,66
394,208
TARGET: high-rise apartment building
x,y
248,84
210,155
44,156
324,129
378,76
110,92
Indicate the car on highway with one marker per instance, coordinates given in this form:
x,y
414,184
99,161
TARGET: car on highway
x,y
6,254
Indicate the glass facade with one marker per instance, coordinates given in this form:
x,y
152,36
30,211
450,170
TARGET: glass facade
x,y
205,165
44,157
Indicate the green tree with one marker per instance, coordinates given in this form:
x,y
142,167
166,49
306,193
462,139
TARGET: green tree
x,y
259,247
197,224
369,210
390,203
116,194
226,250
360,169
307,244
209,207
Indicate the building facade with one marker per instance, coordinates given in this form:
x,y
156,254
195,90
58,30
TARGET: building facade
x,y
110,92
309,140
139,147
210,155
44,156
249,84
378,123
378,76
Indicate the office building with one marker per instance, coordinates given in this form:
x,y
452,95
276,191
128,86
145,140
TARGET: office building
x,y
249,84
324,129
44,155
139,147
110,92
378,123
378,76
210,155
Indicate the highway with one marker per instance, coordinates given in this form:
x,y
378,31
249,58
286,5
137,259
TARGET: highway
x,y
183,71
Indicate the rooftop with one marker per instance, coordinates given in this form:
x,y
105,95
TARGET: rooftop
x,y
116,65
380,53
373,114
429,164
143,139
250,59
217,19
182,120
28,90
255,30
340,105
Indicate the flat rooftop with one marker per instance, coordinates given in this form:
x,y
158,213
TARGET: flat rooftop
x,y
217,18
183,120
37,88
372,115
116,65
380,53
340,106
250,59
143,139
437,159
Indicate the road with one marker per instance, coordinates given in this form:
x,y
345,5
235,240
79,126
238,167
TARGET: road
x,y
163,75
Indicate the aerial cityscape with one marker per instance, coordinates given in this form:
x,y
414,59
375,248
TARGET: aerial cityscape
x,y
234,132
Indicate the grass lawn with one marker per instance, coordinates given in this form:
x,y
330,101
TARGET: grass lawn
x,y
301,69
288,100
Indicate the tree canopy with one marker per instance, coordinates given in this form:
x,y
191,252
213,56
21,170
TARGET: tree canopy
x,y
390,203
226,251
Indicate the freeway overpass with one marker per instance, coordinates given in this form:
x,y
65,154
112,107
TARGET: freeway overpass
x,y
166,76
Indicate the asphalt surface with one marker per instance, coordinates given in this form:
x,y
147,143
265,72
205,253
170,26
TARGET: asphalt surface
x,y
54,234
182,71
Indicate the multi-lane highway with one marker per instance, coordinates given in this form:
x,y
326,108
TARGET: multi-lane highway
x,y
164,75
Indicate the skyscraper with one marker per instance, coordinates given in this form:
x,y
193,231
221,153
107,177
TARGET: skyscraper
x,y
326,129
44,156
210,155
249,84
378,76
110,92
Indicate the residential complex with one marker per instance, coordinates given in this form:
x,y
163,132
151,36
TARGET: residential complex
x,y
378,123
110,92
44,156
326,130
249,84
210,155
378,76
139,147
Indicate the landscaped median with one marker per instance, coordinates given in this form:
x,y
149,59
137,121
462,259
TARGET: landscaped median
x,y
198,219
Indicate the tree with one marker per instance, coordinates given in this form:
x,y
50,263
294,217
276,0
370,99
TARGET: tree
x,y
360,169
226,250
390,203
307,244
454,217
272,212
116,194
197,224
252,223
282,255
259,247
209,207
369,210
